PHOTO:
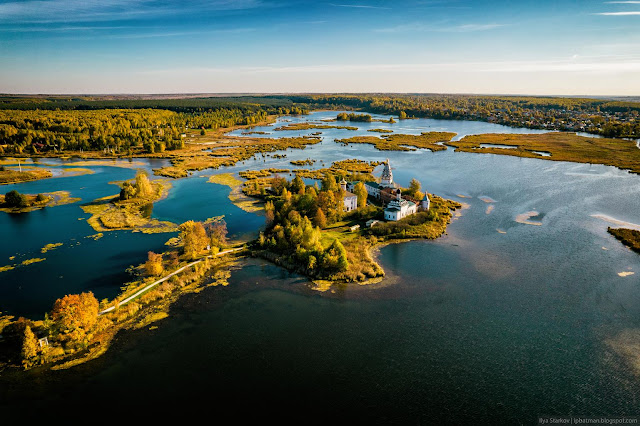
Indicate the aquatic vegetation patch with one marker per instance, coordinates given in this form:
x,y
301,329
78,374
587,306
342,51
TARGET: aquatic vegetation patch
x,y
628,237
225,179
400,142
34,260
31,202
14,175
7,268
50,246
307,162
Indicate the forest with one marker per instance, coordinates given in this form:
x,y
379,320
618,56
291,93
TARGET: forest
x,y
32,125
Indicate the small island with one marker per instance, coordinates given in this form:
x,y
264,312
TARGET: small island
x,y
628,237
556,146
131,209
328,232
11,175
398,142
15,202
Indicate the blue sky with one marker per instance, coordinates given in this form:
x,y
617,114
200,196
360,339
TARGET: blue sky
x,y
436,46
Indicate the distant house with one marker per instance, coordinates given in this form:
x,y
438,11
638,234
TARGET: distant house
x,y
354,228
372,222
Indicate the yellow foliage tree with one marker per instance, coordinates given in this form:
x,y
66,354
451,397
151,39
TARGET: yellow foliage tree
x,y
361,193
29,347
143,185
153,265
74,315
194,238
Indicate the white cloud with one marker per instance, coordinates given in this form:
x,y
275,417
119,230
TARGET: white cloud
x,y
41,11
575,64
618,13
439,27
359,6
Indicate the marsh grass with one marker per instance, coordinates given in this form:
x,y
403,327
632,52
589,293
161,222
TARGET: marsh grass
x,y
562,146
628,237
399,142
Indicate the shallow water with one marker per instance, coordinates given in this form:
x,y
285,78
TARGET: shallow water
x,y
497,322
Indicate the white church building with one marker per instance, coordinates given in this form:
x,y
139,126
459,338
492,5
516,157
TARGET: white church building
x,y
397,207
350,199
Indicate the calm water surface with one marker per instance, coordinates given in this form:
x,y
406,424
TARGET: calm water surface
x,y
498,322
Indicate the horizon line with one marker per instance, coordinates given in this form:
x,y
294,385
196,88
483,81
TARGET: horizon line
x,y
282,93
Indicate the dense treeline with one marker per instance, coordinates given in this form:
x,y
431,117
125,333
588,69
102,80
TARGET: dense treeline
x,y
295,215
190,105
343,116
122,126
598,116
114,131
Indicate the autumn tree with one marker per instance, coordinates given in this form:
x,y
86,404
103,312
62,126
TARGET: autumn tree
x,y
414,186
319,219
194,238
153,265
278,184
297,185
29,347
329,183
127,191
269,212
335,257
74,315
217,233
361,193
15,199
143,185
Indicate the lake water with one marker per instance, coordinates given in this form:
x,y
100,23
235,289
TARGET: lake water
x,y
498,322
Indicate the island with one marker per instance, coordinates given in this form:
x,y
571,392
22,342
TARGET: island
x,y
628,237
11,175
15,202
399,142
328,232
131,209
556,146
